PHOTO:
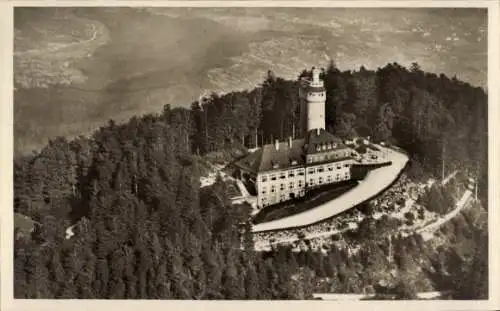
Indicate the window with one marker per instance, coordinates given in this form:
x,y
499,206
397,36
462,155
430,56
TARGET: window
x,y
264,178
263,191
311,182
291,174
321,169
330,168
282,187
273,177
290,186
329,179
339,166
273,188
346,165
310,171
301,172
337,177
320,181
282,175
300,183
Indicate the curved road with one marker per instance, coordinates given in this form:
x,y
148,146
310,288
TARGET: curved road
x,y
376,181
461,204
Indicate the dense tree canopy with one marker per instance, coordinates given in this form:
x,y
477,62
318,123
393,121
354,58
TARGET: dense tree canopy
x,y
145,229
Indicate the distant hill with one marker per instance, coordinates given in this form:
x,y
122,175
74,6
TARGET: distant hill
x,y
142,59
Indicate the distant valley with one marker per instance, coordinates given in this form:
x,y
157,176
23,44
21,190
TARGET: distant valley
x,y
77,68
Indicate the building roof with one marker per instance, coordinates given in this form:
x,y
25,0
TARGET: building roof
x,y
321,141
283,157
251,162
269,158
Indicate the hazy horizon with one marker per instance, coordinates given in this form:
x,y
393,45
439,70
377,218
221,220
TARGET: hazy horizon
x,y
77,68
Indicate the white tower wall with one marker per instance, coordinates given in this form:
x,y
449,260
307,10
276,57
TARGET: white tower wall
x,y
316,98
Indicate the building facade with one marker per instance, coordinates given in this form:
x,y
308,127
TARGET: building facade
x,y
287,170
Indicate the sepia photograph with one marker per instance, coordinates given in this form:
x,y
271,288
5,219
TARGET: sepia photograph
x,y
250,153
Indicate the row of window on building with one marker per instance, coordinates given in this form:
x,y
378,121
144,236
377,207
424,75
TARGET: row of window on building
x,y
317,94
312,182
300,172
282,197
283,175
291,186
329,156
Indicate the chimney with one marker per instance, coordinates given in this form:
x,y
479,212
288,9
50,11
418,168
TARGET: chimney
x,y
277,144
290,142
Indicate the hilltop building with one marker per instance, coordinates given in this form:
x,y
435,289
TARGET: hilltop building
x,y
286,170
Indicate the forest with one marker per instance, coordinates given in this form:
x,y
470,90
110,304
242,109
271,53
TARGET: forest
x,y
143,229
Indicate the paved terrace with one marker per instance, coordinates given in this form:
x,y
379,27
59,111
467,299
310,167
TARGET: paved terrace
x,y
376,181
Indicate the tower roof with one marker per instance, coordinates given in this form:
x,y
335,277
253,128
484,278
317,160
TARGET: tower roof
x,y
321,140
316,82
